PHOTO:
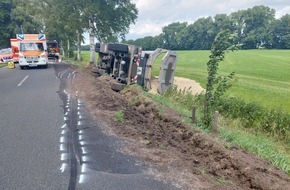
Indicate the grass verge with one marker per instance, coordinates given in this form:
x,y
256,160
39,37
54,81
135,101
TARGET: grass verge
x,y
255,141
3,65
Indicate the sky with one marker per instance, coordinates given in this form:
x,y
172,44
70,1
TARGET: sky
x,y
155,14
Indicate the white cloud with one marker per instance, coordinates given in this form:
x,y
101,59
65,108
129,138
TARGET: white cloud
x,y
155,14
283,11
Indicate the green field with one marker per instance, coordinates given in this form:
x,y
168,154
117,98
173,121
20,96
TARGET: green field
x,y
263,76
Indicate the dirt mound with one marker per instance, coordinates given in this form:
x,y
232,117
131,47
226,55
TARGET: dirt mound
x,y
191,159
182,84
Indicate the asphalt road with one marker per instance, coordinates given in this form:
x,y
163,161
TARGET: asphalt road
x,y
49,141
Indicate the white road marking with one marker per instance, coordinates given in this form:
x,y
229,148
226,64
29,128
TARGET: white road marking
x,y
63,166
62,147
84,168
63,156
84,150
81,137
82,178
62,140
23,80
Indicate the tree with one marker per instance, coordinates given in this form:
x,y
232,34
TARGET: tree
x,y
216,85
63,22
223,22
238,20
200,34
280,33
27,16
6,26
107,19
170,35
257,21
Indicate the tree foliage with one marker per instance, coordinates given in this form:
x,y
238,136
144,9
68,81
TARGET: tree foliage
x,y
217,85
6,27
67,20
255,27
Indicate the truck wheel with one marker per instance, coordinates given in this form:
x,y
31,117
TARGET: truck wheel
x,y
123,48
117,86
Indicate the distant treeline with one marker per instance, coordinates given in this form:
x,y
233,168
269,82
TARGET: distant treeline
x,y
254,28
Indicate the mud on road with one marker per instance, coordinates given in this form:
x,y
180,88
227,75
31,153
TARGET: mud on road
x,y
176,152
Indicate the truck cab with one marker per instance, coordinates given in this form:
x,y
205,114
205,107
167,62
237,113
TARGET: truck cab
x,y
53,50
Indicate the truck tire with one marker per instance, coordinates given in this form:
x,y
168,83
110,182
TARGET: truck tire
x,y
122,48
117,86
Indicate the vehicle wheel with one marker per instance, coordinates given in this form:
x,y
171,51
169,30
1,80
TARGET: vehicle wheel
x,y
123,48
117,86
45,66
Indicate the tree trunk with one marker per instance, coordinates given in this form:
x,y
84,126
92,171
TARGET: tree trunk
x,y
78,46
68,48
92,41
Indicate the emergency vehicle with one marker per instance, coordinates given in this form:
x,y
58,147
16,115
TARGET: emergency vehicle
x,y
32,50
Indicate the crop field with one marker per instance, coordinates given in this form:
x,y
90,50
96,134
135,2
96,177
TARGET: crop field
x,y
263,76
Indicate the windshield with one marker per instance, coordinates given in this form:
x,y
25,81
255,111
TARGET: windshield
x,y
52,45
5,51
31,46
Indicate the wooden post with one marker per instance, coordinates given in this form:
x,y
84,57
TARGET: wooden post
x,y
215,122
193,118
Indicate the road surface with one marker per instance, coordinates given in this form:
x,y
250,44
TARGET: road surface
x,y
49,141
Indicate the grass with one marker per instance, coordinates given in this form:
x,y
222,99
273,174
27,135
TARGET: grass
x,y
262,75
3,65
119,115
258,143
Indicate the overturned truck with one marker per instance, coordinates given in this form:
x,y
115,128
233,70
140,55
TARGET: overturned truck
x,y
127,64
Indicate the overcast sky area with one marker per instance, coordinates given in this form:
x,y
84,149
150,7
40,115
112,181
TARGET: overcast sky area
x,y
155,14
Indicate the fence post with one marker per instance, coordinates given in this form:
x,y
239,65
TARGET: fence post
x,y
215,122
193,117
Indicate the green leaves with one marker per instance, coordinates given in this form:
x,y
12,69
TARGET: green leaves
x,y
6,27
216,85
